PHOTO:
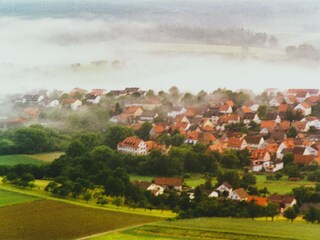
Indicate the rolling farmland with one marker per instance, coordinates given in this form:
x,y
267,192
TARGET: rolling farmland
x,y
47,219
219,228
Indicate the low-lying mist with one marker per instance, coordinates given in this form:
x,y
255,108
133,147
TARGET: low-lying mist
x,y
62,53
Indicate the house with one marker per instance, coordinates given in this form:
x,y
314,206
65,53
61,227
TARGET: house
x,y
157,130
176,111
133,111
248,117
287,144
31,113
259,159
260,201
148,116
156,190
273,165
53,103
133,145
239,194
72,103
304,108
131,90
218,146
312,121
301,126
169,183
151,104
304,159
237,144
284,201
225,187
120,119
283,108
77,92
92,98
117,93
229,119
31,99
254,141
312,101
275,102
225,109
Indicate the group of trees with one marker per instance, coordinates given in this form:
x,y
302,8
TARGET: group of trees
x,y
33,139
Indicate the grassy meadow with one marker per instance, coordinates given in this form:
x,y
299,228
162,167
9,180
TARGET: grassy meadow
x,y
36,159
219,228
11,160
47,219
281,186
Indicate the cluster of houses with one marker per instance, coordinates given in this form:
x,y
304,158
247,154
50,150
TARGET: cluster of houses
x,y
209,125
225,190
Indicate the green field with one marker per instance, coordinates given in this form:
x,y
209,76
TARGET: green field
x,y
219,228
280,186
10,198
48,219
47,157
11,160
37,159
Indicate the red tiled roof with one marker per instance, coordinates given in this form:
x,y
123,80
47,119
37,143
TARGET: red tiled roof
x,y
303,159
168,181
260,201
235,143
283,107
131,142
258,154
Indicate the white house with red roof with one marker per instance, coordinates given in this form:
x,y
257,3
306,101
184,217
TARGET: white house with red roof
x,y
133,145
304,108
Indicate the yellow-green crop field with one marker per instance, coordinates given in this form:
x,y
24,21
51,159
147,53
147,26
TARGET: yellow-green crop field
x,y
219,228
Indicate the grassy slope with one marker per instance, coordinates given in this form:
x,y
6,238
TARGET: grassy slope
x,y
11,160
218,228
37,159
47,157
280,186
58,220
10,198
39,192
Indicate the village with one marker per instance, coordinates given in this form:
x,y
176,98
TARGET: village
x,y
270,127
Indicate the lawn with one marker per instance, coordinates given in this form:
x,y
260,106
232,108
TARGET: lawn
x,y
11,160
281,186
195,179
47,157
10,198
37,159
219,228
47,219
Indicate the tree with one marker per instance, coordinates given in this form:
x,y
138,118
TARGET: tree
x,y
290,213
230,161
262,110
118,201
271,210
230,176
312,215
288,158
87,196
292,132
116,134
76,149
248,179
143,132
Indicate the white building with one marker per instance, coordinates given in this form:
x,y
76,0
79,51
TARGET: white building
x,y
133,145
